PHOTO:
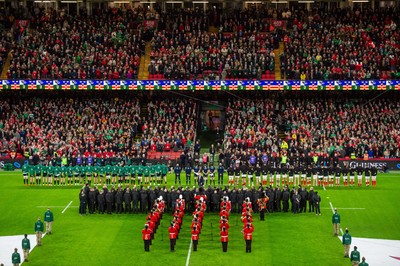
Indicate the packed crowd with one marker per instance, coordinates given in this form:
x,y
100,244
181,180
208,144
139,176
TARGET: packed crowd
x,y
103,126
325,126
170,123
339,44
342,44
106,45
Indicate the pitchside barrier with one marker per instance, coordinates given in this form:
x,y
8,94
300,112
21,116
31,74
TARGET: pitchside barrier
x,y
381,164
200,85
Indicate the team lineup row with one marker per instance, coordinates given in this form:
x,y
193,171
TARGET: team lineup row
x,y
157,175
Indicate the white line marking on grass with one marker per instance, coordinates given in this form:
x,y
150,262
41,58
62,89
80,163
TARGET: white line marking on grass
x,y
341,230
324,187
347,208
188,256
55,206
333,210
67,207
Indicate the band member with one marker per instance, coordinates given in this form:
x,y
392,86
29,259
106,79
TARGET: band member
x,y
262,205
195,237
146,233
248,236
224,239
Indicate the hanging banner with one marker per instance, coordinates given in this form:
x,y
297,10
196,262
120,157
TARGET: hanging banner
x,y
192,85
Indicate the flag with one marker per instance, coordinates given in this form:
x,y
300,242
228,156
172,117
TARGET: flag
x,y
141,87
338,87
107,87
57,87
286,87
258,87
40,87
303,87
82,87
354,87
91,87
250,87
174,87
208,87
125,87
158,87
389,86
191,87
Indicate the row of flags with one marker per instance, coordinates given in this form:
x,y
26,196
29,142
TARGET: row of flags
x,y
192,85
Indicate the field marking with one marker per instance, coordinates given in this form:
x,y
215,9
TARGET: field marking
x,y
67,207
324,187
333,209
345,208
190,251
55,206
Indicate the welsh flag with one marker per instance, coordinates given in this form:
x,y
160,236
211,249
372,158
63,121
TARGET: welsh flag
x,y
258,87
241,87
158,87
303,87
225,87
208,87
389,86
174,87
287,87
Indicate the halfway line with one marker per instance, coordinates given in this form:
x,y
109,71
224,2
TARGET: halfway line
x,y
188,256
67,207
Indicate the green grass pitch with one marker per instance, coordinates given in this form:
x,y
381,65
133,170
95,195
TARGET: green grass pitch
x,y
283,239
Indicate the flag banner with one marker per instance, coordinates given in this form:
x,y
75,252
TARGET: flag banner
x,y
200,85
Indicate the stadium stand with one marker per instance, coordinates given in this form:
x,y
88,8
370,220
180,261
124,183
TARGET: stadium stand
x,y
106,45
342,44
314,124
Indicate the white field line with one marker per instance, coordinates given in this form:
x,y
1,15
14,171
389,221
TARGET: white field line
x,y
188,256
55,206
345,208
67,207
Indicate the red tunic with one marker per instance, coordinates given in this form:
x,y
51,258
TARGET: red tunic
x,y
224,236
146,234
248,233
172,232
195,234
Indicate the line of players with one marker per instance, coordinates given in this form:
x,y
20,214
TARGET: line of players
x,y
80,175
292,176
238,175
